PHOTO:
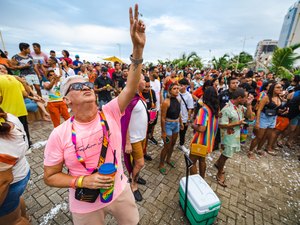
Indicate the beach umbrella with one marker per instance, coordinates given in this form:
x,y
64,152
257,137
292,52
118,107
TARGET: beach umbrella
x,y
113,59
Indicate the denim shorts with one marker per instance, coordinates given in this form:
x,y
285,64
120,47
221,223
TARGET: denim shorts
x,y
267,121
31,105
172,128
12,199
295,121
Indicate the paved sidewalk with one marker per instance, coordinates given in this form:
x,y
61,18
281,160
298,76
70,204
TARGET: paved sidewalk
x,y
263,192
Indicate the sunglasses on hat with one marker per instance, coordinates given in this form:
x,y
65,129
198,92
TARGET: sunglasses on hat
x,y
79,86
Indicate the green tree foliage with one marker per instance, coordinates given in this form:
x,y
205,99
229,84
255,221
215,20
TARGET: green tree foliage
x,y
283,61
240,61
221,63
185,60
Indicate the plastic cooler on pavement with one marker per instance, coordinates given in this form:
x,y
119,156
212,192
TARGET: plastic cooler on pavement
x,y
203,205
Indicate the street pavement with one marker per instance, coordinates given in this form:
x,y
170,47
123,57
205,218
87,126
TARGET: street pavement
x,y
262,192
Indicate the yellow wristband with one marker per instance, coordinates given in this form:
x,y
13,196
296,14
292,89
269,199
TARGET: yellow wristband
x,y
79,181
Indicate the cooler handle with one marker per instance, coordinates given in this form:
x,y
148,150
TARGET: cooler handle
x,y
214,206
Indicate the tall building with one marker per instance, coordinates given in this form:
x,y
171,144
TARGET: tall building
x,y
290,31
264,50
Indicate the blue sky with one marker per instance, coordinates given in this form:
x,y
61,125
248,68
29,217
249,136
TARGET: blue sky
x,y
97,29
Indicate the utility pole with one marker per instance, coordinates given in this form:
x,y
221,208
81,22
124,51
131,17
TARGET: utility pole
x,y
238,60
3,45
119,45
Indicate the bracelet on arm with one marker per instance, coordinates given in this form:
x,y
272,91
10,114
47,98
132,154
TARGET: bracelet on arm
x,y
79,181
136,62
73,182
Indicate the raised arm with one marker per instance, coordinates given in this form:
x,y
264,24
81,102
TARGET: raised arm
x,y
138,38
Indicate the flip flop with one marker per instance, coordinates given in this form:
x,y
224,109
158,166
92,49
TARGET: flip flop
x,y
251,155
273,153
222,183
217,167
172,164
280,144
261,153
162,170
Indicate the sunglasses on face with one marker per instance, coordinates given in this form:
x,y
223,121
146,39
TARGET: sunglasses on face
x,y
79,86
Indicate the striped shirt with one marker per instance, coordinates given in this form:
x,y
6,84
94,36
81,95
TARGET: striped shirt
x,y
206,118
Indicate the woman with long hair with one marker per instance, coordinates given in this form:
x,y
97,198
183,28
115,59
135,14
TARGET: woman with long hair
x,y
172,79
14,170
205,129
170,124
66,70
267,111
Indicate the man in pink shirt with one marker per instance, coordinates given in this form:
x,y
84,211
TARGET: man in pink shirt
x,y
77,143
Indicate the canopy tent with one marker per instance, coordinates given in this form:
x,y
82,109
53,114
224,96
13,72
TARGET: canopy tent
x,y
113,59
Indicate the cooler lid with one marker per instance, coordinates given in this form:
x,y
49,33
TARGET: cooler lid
x,y
200,195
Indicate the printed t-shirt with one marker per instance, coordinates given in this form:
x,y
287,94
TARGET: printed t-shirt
x,y
12,150
206,118
230,114
89,137
11,92
54,94
41,58
22,62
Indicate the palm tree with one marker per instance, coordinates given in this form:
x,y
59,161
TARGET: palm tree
x,y
220,63
283,61
240,61
188,60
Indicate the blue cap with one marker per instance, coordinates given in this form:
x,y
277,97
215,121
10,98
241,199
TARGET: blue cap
x,y
76,56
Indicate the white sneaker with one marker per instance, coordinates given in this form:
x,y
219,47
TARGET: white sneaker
x,y
185,150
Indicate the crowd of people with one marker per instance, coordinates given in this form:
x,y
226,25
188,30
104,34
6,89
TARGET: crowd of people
x,y
222,107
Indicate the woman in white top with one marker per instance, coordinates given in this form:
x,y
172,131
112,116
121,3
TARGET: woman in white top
x,y
66,70
14,170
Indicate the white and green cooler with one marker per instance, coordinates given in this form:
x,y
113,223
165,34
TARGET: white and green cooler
x,y
203,204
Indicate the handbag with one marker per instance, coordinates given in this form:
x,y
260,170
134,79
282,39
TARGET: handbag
x,y
271,112
281,123
152,115
86,194
199,149
244,134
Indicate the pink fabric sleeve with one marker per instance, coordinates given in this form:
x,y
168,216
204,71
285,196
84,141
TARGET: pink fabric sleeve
x,y
53,154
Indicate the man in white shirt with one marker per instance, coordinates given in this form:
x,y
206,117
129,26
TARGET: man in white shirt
x,y
137,132
156,86
187,106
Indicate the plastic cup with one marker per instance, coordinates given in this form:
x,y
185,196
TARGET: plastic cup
x,y
107,169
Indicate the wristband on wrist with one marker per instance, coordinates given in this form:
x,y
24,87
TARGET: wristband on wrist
x,y
136,62
73,182
79,181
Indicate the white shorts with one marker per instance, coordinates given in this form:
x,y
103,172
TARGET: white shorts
x,y
32,79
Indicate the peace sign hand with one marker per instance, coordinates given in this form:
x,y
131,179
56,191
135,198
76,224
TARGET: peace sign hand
x,y
137,29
